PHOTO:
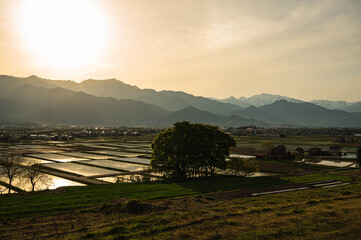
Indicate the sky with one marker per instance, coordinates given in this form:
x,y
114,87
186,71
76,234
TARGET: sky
x,y
308,49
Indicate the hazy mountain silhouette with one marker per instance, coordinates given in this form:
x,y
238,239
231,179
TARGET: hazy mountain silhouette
x,y
170,100
266,99
195,115
85,109
62,106
258,100
308,114
236,101
339,105
64,102
258,114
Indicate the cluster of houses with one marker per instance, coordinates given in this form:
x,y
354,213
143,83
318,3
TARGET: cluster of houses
x,y
15,135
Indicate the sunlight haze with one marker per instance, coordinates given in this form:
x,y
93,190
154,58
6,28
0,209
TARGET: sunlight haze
x,y
218,48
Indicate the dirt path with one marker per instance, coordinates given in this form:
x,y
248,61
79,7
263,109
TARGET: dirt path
x,y
274,190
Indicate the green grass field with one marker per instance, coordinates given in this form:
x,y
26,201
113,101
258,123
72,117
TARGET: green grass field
x,y
48,202
314,214
185,212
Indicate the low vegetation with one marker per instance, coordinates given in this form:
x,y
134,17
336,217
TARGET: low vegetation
x,y
67,198
328,213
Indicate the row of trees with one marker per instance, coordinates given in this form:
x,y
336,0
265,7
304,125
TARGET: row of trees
x,y
11,167
191,150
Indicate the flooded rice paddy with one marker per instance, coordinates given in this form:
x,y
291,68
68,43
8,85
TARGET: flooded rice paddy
x,y
123,166
55,157
81,163
335,163
242,156
80,169
115,153
68,164
134,160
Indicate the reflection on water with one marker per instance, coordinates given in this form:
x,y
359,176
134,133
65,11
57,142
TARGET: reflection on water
x,y
113,179
129,178
61,182
49,182
350,156
80,169
241,156
114,153
28,161
262,174
133,160
117,165
336,163
85,155
5,190
55,157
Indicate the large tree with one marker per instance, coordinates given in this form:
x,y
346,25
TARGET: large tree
x,y
189,150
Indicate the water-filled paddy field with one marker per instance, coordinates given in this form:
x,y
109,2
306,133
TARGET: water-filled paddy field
x,y
80,169
116,153
112,161
55,157
123,166
65,163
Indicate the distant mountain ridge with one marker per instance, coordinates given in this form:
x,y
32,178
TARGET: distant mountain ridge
x,y
260,115
62,106
266,99
258,100
195,115
170,100
339,105
309,114
113,103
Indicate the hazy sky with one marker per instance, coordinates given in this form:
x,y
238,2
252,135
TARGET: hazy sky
x,y
217,48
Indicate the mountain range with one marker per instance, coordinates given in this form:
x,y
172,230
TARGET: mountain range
x,y
34,100
265,99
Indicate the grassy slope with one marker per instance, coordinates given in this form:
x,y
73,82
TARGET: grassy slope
x,y
22,205
314,214
75,197
329,213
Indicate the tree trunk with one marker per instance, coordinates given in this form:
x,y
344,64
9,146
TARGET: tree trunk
x,y
9,185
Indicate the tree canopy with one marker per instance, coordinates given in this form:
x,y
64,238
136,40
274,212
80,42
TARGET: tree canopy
x,y
190,150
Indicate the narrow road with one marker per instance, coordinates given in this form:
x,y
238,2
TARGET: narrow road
x,y
311,185
277,189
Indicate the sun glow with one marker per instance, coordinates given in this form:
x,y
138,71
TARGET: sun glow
x,y
64,33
